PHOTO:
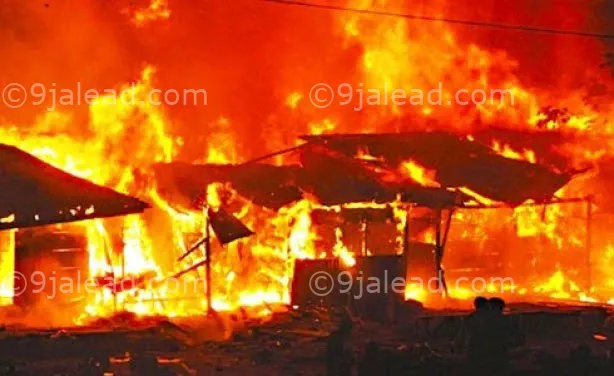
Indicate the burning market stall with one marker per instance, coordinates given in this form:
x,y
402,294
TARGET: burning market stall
x,y
492,179
37,194
329,179
370,179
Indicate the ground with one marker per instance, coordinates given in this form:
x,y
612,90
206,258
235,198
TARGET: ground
x,y
295,343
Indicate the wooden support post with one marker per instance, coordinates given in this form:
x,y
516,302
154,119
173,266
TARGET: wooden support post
x,y
447,231
406,240
439,253
364,238
208,263
438,243
123,251
109,260
290,264
438,228
589,241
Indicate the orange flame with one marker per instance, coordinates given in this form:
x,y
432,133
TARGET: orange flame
x,y
419,174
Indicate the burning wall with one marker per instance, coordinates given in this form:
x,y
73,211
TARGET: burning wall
x,y
267,107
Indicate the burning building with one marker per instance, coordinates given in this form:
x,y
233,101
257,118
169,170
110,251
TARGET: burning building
x,y
528,179
38,194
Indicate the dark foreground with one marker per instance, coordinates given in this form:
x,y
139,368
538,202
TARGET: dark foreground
x,y
558,341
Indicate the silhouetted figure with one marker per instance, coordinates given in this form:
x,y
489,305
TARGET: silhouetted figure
x,y
501,335
477,331
480,304
481,308
489,336
497,305
339,354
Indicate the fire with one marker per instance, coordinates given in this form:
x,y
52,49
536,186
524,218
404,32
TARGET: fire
x,y
416,292
558,287
395,57
366,156
293,100
428,236
301,240
213,196
341,251
477,197
7,288
8,219
325,126
534,220
508,152
394,60
123,137
157,10
420,174
222,148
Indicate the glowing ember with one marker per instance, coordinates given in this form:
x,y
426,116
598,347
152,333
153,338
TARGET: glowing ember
x,y
8,219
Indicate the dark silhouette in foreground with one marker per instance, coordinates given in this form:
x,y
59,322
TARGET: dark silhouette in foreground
x,y
489,335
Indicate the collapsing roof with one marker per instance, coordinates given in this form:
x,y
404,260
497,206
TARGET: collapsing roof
x,y
326,176
270,186
35,193
330,173
334,179
457,161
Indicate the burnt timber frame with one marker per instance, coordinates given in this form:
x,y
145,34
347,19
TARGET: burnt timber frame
x,y
441,237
